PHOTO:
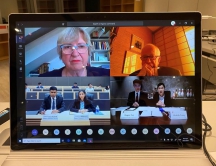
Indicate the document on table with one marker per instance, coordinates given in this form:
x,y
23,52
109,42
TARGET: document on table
x,y
48,112
150,111
121,108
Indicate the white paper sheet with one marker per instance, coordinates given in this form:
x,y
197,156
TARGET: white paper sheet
x,y
48,112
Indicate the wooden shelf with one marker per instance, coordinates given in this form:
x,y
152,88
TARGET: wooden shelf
x,y
128,4
121,5
116,5
3,58
101,53
4,54
71,8
2,42
105,6
101,39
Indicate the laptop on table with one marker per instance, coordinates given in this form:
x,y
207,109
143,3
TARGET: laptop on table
x,y
144,54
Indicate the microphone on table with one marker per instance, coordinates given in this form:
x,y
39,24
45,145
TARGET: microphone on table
x,y
163,112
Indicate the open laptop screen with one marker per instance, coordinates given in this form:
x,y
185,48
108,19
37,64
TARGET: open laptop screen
x,y
83,81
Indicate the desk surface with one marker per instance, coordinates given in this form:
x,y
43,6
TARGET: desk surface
x,y
66,118
209,48
126,158
151,120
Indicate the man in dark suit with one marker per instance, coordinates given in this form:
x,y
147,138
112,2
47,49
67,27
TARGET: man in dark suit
x,y
150,56
39,85
161,98
75,86
136,98
52,102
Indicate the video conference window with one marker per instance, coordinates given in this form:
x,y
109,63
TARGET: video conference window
x,y
70,101
153,51
146,76
65,52
162,100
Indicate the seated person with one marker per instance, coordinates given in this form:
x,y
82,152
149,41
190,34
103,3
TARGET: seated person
x,y
74,49
26,88
137,97
75,85
107,88
82,104
52,102
150,56
39,85
90,88
160,97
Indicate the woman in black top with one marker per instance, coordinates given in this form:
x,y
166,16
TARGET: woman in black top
x,y
82,104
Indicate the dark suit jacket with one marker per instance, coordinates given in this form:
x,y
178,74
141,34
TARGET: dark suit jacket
x,y
167,98
39,87
131,99
46,104
163,71
87,105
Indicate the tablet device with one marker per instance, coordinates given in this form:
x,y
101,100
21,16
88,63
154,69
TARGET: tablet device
x,y
139,78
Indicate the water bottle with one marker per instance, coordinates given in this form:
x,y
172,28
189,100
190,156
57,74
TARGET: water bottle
x,y
97,109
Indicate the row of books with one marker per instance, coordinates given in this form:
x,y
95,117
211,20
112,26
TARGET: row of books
x,y
101,45
100,57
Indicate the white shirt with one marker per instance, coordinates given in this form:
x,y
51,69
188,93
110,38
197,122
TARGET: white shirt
x,y
136,95
161,98
89,90
27,90
52,102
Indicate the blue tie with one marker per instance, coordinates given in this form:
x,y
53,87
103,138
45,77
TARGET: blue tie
x,y
53,104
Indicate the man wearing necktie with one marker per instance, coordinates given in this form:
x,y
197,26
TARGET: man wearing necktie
x,y
53,102
137,98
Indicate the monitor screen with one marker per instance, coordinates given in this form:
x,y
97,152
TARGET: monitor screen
x,y
106,81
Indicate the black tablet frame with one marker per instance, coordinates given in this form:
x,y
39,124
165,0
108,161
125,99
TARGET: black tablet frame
x,y
14,93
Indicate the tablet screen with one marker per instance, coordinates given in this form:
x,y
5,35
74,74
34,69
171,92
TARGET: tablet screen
x,y
108,81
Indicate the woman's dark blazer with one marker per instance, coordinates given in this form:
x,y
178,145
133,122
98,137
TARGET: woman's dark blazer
x,y
87,105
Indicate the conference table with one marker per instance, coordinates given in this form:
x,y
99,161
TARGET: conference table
x,y
68,118
157,119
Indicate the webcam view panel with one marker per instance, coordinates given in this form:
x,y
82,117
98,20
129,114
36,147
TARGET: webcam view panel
x,y
162,100
153,51
74,101
60,52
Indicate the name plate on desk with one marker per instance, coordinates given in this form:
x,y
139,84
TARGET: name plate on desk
x,y
178,115
80,116
50,118
129,115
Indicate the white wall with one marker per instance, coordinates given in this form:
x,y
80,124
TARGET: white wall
x,y
206,7
7,7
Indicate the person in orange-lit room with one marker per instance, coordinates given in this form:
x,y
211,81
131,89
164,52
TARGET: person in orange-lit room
x,y
150,56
